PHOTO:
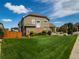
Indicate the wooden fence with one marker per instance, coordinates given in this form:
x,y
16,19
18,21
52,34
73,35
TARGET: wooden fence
x,y
12,34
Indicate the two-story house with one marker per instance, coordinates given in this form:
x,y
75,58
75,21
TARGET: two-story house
x,y
33,22
76,26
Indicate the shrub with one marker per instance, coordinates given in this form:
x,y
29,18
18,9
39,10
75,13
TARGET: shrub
x,y
70,28
31,33
49,32
44,32
36,34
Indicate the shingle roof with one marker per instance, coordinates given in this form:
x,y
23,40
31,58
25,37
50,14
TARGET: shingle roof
x,y
51,25
36,15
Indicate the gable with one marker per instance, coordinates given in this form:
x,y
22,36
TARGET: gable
x,y
1,25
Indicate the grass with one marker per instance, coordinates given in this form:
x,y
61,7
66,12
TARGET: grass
x,y
38,47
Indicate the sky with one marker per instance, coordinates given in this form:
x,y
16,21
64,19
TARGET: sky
x,y
58,11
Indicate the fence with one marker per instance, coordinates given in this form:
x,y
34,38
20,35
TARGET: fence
x,y
12,34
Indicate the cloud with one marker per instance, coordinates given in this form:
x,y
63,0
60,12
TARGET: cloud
x,y
7,20
17,9
59,22
43,1
65,7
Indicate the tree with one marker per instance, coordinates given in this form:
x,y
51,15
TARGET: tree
x,y
63,28
70,29
67,28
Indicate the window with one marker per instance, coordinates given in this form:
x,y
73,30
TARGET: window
x,y
38,21
33,21
45,21
38,24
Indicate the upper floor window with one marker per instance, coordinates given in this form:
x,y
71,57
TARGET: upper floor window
x,y
33,21
38,21
45,21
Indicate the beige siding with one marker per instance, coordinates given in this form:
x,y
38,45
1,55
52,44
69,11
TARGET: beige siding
x,y
1,26
28,21
35,30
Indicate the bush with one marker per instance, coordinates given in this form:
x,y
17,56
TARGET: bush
x,y
70,31
38,33
44,32
31,33
49,32
70,28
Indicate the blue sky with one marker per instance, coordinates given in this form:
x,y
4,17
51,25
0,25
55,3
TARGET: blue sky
x,y
58,11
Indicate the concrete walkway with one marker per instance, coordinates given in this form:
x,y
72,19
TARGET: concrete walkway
x,y
0,47
75,51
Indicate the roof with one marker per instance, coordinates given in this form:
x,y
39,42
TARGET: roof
x,y
35,15
14,28
77,24
51,25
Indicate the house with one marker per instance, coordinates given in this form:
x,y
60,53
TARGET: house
x,y
76,26
64,28
1,26
52,27
33,23
7,29
16,29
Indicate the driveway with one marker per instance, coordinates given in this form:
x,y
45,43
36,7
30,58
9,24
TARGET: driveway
x,y
75,51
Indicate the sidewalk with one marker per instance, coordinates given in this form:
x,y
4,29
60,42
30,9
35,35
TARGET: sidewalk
x,y
0,47
75,51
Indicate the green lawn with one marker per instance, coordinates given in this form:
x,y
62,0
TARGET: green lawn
x,y
38,47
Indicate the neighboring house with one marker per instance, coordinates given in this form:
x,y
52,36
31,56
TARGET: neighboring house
x,y
1,26
63,28
16,29
33,23
52,27
6,29
76,26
